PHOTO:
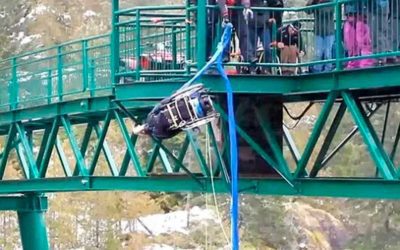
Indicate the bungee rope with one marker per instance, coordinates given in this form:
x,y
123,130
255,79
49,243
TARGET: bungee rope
x,y
216,60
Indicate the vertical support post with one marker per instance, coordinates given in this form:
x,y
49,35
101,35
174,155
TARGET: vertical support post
x,y
92,81
339,53
188,38
14,86
201,33
32,224
59,74
174,48
138,49
85,65
114,42
49,86
273,39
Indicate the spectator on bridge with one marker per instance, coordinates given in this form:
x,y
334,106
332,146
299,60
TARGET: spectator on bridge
x,y
215,17
324,30
394,7
290,44
255,26
357,36
378,18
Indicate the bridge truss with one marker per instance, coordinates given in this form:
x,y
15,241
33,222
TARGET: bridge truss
x,y
32,135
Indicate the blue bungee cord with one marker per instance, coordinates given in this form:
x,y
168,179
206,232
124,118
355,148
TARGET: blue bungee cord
x,y
216,59
233,140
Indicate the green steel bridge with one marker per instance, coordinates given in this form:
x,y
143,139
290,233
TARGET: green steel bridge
x,y
45,95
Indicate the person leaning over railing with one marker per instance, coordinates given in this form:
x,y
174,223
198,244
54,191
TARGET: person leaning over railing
x,y
290,44
214,17
253,26
324,31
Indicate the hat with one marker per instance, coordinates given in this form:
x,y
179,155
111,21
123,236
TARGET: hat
x,y
296,25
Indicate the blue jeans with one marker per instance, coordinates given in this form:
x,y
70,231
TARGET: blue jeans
x,y
323,51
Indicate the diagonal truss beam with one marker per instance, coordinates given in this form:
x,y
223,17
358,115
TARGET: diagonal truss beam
x,y
130,144
256,147
6,152
48,148
283,168
328,140
81,166
199,155
346,139
63,158
32,170
84,145
381,159
291,144
316,132
101,145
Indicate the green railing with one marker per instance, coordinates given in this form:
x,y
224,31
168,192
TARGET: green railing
x,y
154,43
64,72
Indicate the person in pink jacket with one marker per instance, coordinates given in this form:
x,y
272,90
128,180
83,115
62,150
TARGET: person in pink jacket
x,y
357,36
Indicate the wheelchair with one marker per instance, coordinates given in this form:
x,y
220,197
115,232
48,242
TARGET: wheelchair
x,y
275,70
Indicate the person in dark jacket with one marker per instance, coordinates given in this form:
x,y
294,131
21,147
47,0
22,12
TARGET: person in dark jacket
x,y
290,44
378,18
324,30
254,26
394,7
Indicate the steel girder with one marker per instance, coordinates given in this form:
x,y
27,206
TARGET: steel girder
x,y
90,150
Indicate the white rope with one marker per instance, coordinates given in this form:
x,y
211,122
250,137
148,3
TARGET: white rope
x,y
209,163
205,224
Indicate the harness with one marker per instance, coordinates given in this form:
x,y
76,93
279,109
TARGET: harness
x,y
186,109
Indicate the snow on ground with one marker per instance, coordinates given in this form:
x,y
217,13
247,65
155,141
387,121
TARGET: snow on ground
x,y
38,10
29,39
89,13
174,222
